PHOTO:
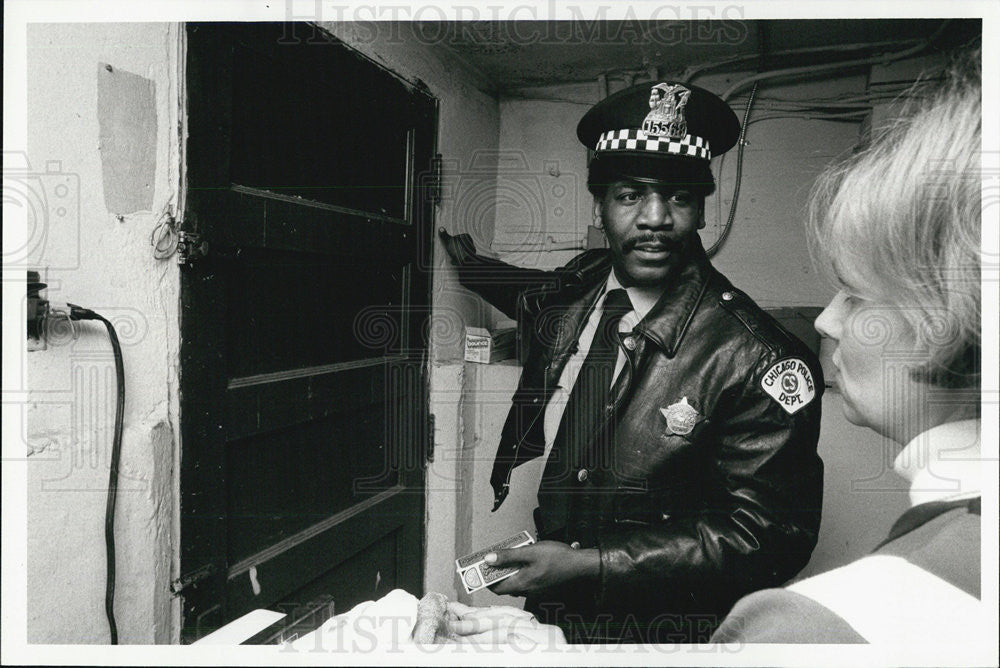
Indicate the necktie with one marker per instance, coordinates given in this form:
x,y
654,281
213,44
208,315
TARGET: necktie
x,y
586,406
580,438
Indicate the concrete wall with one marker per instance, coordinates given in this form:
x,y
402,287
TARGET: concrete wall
x,y
102,103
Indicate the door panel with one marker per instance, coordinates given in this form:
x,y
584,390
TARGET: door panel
x,y
369,569
269,498
284,326
303,355
288,119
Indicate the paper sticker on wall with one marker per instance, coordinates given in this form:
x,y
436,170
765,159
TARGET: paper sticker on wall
x,y
126,112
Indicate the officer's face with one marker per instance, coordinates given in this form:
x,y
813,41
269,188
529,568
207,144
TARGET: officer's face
x,y
649,229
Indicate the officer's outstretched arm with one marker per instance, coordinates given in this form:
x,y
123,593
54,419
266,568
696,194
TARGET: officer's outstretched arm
x,y
757,530
497,282
519,291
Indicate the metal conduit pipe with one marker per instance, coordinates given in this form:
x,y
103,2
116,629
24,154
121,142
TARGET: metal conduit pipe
x,y
810,69
696,70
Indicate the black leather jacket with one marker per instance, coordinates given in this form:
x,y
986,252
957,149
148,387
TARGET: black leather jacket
x,y
685,524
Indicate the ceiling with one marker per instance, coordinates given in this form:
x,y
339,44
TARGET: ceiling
x,y
518,54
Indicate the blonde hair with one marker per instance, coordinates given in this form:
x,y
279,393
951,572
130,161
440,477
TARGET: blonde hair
x,y
902,219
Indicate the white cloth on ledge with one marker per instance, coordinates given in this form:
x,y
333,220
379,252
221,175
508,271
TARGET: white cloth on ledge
x,y
385,624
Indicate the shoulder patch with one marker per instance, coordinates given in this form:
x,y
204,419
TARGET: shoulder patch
x,y
790,383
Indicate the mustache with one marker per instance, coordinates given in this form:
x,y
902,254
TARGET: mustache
x,y
652,238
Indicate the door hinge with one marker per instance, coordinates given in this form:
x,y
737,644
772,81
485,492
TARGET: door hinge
x,y
192,578
190,247
437,177
429,447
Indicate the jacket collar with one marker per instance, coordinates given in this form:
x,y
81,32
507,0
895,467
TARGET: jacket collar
x,y
667,322
571,317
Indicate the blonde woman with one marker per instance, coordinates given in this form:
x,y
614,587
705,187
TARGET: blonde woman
x,y
898,227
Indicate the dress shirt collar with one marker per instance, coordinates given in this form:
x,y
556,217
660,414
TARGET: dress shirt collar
x,y
943,463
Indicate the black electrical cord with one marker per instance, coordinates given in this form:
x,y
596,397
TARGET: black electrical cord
x,y
739,176
80,313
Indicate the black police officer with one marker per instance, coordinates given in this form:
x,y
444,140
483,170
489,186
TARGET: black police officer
x,y
679,421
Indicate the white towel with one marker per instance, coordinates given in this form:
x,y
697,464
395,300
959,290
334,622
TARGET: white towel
x,y
385,625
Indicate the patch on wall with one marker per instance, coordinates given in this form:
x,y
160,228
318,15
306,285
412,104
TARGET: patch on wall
x,y
126,110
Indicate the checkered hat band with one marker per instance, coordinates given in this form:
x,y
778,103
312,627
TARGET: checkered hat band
x,y
637,140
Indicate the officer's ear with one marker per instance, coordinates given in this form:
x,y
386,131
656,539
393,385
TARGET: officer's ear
x,y
701,212
598,206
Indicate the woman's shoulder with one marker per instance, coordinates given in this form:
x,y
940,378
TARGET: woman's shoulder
x,y
881,598
784,616
943,540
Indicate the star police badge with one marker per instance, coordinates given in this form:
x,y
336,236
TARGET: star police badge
x,y
790,383
666,111
681,417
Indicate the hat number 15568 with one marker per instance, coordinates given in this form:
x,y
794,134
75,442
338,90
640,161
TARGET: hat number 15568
x,y
656,128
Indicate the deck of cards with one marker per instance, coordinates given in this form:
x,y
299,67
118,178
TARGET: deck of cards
x,y
475,573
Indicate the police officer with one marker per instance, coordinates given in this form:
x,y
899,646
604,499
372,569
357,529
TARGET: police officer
x,y
678,421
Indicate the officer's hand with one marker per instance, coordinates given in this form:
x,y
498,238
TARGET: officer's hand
x,y
460,248
544,564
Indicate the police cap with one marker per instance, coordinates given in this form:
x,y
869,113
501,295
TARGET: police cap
x,y
666,131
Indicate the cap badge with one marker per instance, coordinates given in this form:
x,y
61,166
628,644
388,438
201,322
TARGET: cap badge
x,y
666,111
681,417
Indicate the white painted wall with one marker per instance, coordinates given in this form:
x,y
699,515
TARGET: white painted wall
x,y
96,260
488,391
862,495
766,254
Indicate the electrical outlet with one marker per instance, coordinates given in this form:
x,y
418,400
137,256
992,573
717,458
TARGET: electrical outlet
x,y
37,311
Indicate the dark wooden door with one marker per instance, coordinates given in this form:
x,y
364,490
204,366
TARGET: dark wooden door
x,y
304,321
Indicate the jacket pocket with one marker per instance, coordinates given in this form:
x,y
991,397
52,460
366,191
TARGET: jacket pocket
x,y
643,507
